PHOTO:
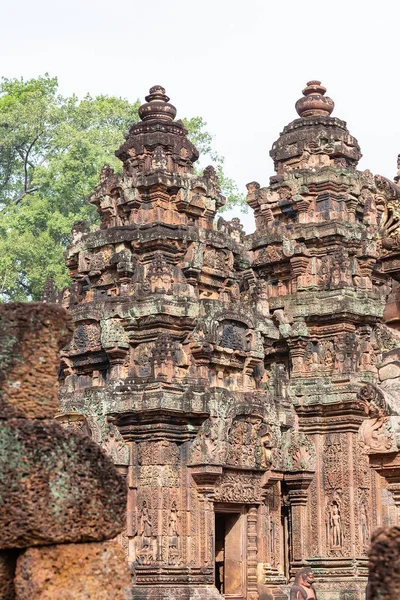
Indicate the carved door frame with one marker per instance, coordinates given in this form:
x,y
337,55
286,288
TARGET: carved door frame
x,y
242,511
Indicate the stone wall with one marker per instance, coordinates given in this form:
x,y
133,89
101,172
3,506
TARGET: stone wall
x,y
61,499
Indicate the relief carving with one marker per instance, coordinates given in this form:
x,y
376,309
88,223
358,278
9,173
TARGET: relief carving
x,y
239,487
298,452
334,523
145,538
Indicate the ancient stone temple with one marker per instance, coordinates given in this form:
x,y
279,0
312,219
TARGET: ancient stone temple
x,y
245,385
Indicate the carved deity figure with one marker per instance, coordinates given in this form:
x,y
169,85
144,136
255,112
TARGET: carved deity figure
x,y
335,526
281,381
364,525
145,529
173,527
266,459
303,588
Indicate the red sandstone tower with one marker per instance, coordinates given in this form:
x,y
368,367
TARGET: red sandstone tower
x,y
230,377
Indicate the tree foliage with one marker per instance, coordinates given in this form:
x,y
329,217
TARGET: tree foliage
x,y
52,149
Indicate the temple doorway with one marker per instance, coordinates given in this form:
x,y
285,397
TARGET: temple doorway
x,y
230,568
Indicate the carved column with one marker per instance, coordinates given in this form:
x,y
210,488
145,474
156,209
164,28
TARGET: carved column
x,y
205,477
298,484
252,559
271,547
163,513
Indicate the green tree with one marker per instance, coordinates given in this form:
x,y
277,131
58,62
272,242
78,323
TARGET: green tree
x,y
52,149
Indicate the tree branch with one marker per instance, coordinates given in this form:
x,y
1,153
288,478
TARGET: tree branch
x,y
25,193
27,180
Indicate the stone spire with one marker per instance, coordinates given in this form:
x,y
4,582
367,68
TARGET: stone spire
x,y
157,142
314,103
157,106
316,139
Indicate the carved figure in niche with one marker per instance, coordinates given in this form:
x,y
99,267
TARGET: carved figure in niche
x,y
164,356
274,254
159,275
205,446
303,587
184,153
335,525
336,271
173,527
349,353
234,292
364,525
210,445
145,529
159,159
284,193
144,361
233,336
266,459
311,355
217,259
258,375
262,297
74,422
125,263
344,263
325,272
366,356
350,360
328,354
369,211
230,292
279,381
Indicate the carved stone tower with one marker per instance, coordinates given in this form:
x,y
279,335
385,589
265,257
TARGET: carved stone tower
x,y
167,368
238,382
317,248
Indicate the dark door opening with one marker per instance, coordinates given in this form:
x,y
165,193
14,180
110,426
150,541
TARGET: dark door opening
x,y
229,567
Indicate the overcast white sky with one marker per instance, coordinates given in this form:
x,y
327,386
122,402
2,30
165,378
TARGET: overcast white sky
x,y
240,64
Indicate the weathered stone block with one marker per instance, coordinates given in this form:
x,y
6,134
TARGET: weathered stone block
x,y
55,487
97,571
8,560
390,371
384,564
31,336
392,355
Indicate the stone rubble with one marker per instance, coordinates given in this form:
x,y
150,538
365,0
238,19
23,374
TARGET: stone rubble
x,y
56,486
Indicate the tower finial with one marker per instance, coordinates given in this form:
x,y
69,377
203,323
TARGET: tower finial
x,y
314,103
157,107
